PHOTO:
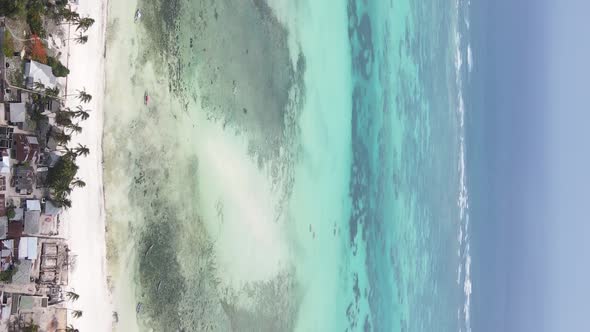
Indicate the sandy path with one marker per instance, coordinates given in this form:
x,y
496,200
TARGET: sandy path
x,y
86,218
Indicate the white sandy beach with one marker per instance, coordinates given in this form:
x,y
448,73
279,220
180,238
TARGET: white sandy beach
x,y
85,220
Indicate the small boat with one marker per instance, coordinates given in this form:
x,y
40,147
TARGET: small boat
x,y
138,308
146,98
137,15
150,247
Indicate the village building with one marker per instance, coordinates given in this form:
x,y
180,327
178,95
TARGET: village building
x,y
5,164
27,248
6,137
19,214
22,276
3,208
53,267
6,254
36,72
3,113
36,309
17,114
32,222
3,227
5,305
24,180
26,148
41,177
52,209
33,205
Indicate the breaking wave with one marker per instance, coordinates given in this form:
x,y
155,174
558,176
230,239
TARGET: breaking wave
x,y
463,49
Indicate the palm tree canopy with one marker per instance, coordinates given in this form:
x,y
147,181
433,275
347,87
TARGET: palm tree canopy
x,y
81,150
78,183
81,39
72,296
75,128
81,113
84,23
84,96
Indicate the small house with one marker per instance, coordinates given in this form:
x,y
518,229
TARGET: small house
x,y
36,72
19,214
26,148
18,113
52,209
32,222
22,276
24,179
5,163
6,137
3,227
27,248
33,205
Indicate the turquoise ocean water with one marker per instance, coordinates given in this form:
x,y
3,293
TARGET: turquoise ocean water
x,y
320,146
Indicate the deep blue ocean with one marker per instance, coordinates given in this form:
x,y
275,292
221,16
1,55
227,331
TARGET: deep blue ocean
x,y
409,181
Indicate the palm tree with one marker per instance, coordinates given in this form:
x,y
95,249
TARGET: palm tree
x,y
64,118
52,92
72,296
84,23
38,86
68,152
76,313
75,128
64,202
81,113
68,15
80,39
62,138
81,150
84,96
70,328
80,184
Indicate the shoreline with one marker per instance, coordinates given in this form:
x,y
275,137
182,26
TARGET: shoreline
x,y
86,220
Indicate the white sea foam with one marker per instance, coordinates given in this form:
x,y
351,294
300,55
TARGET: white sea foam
x,y
464,268
469,58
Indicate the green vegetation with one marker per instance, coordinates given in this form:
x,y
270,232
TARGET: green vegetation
x,y
8,47
70,328
84,96
16,77
72,296
35,12
31,328
60,177
84,23
58,69
12,8
81,39
10,213
6,276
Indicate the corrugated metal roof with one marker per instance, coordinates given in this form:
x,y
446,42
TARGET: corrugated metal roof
x,y
32,222
51,209
33,205
18,112
3,227
38,72
23,272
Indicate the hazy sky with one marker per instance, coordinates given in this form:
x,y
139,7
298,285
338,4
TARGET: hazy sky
x,y
538,111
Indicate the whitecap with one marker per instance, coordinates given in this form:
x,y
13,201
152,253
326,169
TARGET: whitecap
x,y
469,58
